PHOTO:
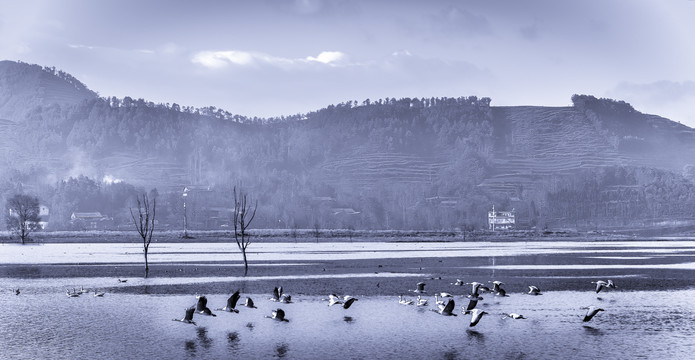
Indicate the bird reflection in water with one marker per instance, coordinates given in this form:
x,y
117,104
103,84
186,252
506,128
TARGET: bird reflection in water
x,y
250,326
203,337
451,355
348,319
190,347
474,335
590,330
281,350
233,339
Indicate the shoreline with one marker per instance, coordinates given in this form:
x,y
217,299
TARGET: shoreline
x,y
337,235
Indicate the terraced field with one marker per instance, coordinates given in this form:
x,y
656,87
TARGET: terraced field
x,y
366,169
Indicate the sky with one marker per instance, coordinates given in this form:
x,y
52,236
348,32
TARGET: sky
x,y
271,57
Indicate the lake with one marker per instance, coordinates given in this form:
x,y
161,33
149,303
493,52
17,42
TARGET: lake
x,y
642,319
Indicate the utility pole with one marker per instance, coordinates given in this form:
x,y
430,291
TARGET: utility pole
x,y
185,218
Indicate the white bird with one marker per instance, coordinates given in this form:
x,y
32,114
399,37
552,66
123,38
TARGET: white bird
x,y
534,290
437,301
284,298
188,319
513,316
496,286
278,315
72,294
403,301
448,309
458,282
231,303
477,315
600,284
201,306
420,288
611,284
98,294
83,290
445,295
421,301
591,312
334,299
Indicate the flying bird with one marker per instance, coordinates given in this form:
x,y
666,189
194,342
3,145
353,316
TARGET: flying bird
x,y
533,290
231,303
475,318
16,291
249,303
591,312
188,319
284,298
202,306
513,316
348,301
278,315
448,309
277,293
471,305
420,288
334,299
437,301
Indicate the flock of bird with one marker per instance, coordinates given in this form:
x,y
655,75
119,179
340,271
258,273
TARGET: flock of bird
x,y
200,307
445,308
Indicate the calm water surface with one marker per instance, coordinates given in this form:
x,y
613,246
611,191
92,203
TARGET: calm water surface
x,y
651,314
635,324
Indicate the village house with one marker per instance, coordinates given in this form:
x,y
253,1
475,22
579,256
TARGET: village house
x,y
500,220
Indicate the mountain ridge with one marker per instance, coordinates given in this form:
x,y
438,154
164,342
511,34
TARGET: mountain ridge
x,y
406,163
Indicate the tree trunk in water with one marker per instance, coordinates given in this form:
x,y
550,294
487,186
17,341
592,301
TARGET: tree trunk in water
x,y
246,263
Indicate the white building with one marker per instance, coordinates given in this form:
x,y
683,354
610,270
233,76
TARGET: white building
x,y
500,220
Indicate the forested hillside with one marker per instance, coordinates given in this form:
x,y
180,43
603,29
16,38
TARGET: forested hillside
x,y
430,163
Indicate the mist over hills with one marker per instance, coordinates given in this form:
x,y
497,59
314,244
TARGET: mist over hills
x,y
430,163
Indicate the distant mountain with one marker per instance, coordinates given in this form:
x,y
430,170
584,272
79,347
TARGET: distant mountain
x,y
430,163
24,86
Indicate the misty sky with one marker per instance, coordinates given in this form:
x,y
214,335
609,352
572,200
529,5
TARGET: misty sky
x,y
268,58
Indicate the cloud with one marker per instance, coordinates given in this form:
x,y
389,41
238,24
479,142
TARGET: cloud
x,y
328,57
219,59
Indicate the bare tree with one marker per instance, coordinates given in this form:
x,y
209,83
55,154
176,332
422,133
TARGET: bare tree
x,y
22,215
243,216
144,223
317,231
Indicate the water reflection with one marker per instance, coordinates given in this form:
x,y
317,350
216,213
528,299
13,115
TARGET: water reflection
x,y
250,326
348,319
476,336
452,354
203,337
233,340
281,350
592,330
190,347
